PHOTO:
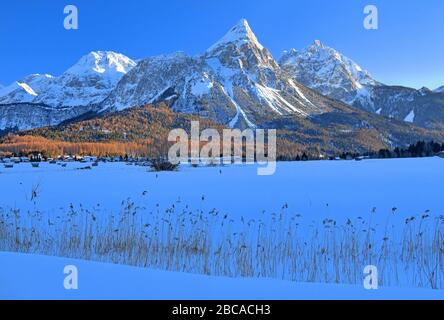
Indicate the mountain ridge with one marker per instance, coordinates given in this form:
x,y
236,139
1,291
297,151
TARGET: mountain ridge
x,y
331,73
235,81
86,82
238,84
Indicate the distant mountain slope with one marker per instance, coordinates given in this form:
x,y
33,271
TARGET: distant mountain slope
x,y
331,73
439,90
25,90
41,100
88,82
321,134
25,116
147,122
328,71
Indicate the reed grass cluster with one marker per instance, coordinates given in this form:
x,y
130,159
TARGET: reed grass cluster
x,y
273,245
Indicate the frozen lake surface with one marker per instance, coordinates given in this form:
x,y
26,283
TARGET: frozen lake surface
x,y
319,189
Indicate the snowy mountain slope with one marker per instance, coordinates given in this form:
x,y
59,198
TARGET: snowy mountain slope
x,y
24,116
439,90
328,71
347,130
25,90
236,82
421,107
87,82
41,100
331,73
254,80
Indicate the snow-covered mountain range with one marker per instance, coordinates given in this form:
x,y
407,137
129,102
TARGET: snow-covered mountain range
x,y
87,82
236,82
331,73
42,99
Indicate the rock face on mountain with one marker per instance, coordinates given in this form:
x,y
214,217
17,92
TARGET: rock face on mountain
x,y
236,82
331,73
24,116
84,85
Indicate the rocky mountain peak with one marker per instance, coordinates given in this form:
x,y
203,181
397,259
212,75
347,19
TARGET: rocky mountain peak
x,y
239,49
239,35
328,71
87,82
318,44
102,62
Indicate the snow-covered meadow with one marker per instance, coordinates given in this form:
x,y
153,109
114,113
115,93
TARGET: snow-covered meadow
x,y
41,277
308,214
316,189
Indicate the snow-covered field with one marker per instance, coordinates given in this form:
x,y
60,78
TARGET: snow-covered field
x,y
38,277
316,189
338,190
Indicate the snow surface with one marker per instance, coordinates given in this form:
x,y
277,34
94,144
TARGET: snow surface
x,y
410,117
318,189
239,112
226,75
202,87
315,190
27,88
38,277
111,64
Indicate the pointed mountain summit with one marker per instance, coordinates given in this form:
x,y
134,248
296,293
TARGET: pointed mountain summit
x,y
240,45
239,35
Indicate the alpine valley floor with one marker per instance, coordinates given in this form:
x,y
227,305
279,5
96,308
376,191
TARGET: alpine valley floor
x,y
330,200
38,277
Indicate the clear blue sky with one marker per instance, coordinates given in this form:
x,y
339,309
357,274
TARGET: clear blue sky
x,y
408,48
